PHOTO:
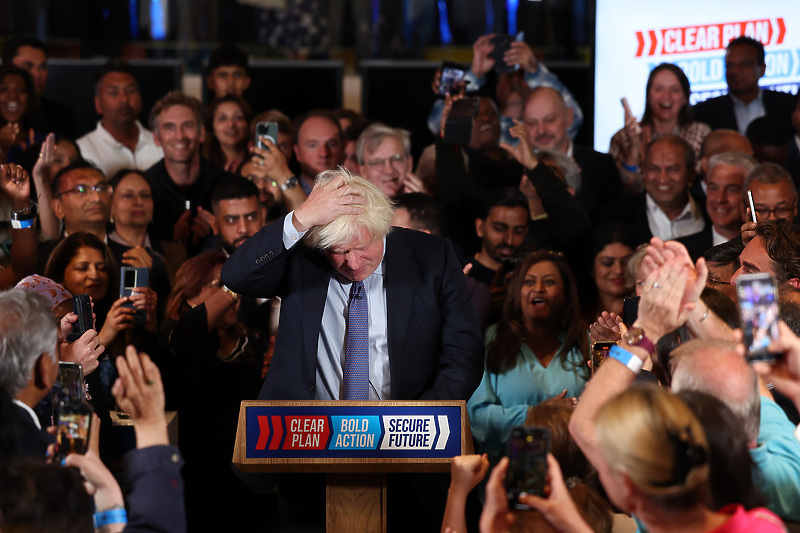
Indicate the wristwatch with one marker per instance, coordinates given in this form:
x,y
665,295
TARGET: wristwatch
x,y
635,337
289,183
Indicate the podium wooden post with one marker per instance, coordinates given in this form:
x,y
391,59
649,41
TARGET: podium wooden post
x,y
355,444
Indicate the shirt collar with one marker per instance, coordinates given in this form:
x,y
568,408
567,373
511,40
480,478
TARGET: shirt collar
x,y
690,210
758,98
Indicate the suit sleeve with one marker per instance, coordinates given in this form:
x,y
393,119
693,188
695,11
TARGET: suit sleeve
x,y
461,348
256,268
155,490
565,212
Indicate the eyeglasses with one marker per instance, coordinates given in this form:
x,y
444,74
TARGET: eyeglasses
x,y
780,212
82,190
396,160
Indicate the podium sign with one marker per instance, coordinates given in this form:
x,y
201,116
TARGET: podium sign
x,y
340,436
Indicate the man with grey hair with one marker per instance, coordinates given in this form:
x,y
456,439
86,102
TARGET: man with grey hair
x,y
773,447
28,362
723,183
422,331
384,159
774,193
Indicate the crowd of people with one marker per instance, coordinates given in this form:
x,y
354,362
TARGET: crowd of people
x,y
324,264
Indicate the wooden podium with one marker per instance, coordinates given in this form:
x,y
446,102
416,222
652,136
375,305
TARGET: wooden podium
x,y
355,444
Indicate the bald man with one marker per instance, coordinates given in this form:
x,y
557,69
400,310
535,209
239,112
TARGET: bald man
x,y
770,435
547,119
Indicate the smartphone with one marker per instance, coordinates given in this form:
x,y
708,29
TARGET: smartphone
x,y
73,427
758,308
502,42
81,306
752,206
458,127
599,353
630,310
527,451
452,76
270,131
68,387
130,278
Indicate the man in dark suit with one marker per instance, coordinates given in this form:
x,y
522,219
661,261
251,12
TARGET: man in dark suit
x,y
745,101
666,209
726,174
423,334
547,119
28,363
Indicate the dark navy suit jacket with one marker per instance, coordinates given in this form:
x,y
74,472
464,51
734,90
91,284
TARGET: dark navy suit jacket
x,y
435,346
718,112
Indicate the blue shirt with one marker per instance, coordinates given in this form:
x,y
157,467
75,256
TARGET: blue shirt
x,y
501,401
777,462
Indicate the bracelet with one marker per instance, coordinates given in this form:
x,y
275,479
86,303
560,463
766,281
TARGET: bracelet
x,y
630,168
17,215
22,224
115,515
30,207
626,358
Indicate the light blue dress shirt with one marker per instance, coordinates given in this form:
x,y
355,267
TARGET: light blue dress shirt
x,y
331,344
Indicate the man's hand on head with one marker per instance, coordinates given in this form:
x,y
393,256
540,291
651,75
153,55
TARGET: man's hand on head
x,y
326,202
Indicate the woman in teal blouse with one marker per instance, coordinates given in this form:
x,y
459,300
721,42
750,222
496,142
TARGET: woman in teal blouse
x,y
538,349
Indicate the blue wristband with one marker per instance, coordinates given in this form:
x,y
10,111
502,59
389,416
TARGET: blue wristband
x,y
22,224
626,358
117,515
630,168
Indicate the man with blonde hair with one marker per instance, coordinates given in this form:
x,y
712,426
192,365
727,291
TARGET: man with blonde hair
x,y
369,312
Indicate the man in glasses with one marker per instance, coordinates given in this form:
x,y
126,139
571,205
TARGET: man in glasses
x,y
82,200
384,158
774,195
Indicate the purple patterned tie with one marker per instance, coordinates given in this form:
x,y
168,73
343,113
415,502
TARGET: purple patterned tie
x,y
356,355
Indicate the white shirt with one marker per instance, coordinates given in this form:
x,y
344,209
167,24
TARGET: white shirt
x,y
747,113
331,343
110,155
689,221
717,238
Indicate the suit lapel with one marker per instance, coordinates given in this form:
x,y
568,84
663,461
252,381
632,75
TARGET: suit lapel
x,y
316,277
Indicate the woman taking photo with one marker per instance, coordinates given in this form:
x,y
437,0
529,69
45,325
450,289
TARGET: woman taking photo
x,y
666,111
653,460
228,126
131,214
537,350
83,264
